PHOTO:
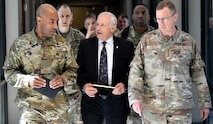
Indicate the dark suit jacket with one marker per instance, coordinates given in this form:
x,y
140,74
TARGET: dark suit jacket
x,y
87,60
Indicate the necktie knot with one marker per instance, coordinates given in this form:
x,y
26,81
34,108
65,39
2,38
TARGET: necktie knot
x,y
104,43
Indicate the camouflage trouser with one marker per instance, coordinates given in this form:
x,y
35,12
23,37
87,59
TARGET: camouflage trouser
x,y
36,116
74,111
133,118
168,117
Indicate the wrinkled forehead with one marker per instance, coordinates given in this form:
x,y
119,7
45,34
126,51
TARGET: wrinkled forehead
x,y
163,12
104,19
64,11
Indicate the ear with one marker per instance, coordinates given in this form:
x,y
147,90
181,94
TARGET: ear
x,y
38,19
176,16
113,28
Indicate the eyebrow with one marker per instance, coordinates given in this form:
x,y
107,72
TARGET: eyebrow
x,y
165,18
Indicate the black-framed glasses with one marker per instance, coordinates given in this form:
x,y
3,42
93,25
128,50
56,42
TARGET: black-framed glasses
x,y
164,19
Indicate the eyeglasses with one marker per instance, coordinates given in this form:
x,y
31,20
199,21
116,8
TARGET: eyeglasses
x,y
163,19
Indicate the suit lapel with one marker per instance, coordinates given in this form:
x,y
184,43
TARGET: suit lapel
x,y
95,49
116,50
115,57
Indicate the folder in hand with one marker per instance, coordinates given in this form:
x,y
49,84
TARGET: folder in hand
x,y
47,91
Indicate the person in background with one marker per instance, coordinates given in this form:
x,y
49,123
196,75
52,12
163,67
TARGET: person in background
x,y
140,26
102,74
165,67
210,44
89,25
122,23
41,59
210,22
73,36
134,33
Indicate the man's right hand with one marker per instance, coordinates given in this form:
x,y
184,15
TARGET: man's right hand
x,y
137,107
90,90
37,82
90,31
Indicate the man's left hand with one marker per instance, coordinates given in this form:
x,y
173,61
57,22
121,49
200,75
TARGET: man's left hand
x,y
204,113
56,82
119,89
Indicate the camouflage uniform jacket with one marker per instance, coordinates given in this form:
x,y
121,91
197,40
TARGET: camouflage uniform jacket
x,y
74,37
117,32
28,56
135,37
163,71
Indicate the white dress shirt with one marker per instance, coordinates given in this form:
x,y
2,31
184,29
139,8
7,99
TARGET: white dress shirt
x,y
109,48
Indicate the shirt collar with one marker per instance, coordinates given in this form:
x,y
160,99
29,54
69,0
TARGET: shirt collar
x,y
109,41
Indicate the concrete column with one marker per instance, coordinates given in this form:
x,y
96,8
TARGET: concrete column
x,y
13,26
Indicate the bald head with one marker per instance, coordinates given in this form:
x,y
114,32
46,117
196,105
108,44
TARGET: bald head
x,y
139,7
44,9
46,18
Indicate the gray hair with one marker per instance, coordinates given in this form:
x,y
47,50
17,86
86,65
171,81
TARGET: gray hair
x,y
113,20
166,3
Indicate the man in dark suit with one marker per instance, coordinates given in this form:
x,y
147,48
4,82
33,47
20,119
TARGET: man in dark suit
x,y
110,102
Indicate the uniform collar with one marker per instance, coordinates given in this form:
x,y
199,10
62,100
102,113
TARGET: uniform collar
x,y
38,40
175,38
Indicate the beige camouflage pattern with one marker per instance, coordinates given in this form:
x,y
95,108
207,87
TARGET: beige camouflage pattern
x,y
117,32
30,55
74,37
166,117
74,111
135,37
40,116
163,71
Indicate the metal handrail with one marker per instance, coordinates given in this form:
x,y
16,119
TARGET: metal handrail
x,y
2,83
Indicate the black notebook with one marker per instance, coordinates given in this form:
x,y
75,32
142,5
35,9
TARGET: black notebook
x,y
47,91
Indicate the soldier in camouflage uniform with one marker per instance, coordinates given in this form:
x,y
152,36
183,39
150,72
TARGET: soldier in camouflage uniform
x,y
140,26
73,36
134,33
37,54
166,65
122,23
